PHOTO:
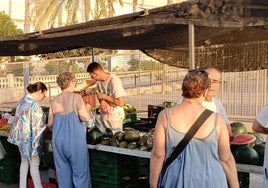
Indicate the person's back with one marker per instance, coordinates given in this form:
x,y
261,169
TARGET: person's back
x,y
70,150
201,164
206,161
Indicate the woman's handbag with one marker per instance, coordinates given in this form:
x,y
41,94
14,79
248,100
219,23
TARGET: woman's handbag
x,y
183,143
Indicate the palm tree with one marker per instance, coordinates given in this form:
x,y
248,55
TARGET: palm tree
x,y
27,20
169,2
134,5
54,9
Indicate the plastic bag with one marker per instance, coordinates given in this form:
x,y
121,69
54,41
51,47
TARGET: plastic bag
x,y
2,151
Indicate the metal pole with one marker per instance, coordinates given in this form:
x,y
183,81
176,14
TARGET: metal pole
x,y
191,47
26,77
92,54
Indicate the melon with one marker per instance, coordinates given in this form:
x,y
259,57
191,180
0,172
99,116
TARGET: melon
x,y
246,155
95,136
238,128
259,138
260,148
132,136
243,139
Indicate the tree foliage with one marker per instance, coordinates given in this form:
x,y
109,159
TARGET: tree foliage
x,y
54,68
136,64
7,26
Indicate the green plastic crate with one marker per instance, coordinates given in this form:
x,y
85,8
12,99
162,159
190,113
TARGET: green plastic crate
x,y
11,149
110,157
9,177
143,161
126,184
10,163
112,166
114,179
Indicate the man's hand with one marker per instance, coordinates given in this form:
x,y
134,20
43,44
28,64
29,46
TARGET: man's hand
x,y
105,107
101,96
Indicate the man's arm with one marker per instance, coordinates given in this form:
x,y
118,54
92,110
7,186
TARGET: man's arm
x,y
257,127
120,101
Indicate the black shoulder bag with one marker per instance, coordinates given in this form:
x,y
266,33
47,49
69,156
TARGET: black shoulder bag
x,y
187,137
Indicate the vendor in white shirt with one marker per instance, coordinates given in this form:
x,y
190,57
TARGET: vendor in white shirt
x,y
260,125
212,103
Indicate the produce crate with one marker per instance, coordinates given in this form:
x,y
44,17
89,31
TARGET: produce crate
x,y
111,177
118,167
10,163
11,149
112,168
9,176
126,184
109,157
153,112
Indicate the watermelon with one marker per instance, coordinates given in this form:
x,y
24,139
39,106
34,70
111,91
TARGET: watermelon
x,y
95,136
259,138
243,139
238,128
260,148
246,155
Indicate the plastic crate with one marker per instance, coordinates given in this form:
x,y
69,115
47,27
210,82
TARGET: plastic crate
x,y
112,177
9,176
143,161
10,163
11,149
153,111
108,157
126,184
114,167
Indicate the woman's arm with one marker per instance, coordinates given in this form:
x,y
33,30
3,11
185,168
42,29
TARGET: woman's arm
x,y
50,117
225,154
82,108
159,150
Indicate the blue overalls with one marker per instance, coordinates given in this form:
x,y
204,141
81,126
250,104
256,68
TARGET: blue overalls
x,y
70,151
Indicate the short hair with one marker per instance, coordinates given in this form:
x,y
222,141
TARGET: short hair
x,y
195,83
64,79
93,67
37,86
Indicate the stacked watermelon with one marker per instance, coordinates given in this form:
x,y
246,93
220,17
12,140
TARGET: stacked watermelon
x,y
247,147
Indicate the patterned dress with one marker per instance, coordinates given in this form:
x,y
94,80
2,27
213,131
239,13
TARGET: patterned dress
x,y
27,127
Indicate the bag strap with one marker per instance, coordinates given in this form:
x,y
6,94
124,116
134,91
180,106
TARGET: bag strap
x,y
187,137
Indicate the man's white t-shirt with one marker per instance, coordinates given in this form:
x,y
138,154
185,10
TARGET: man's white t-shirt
x,y
262,118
